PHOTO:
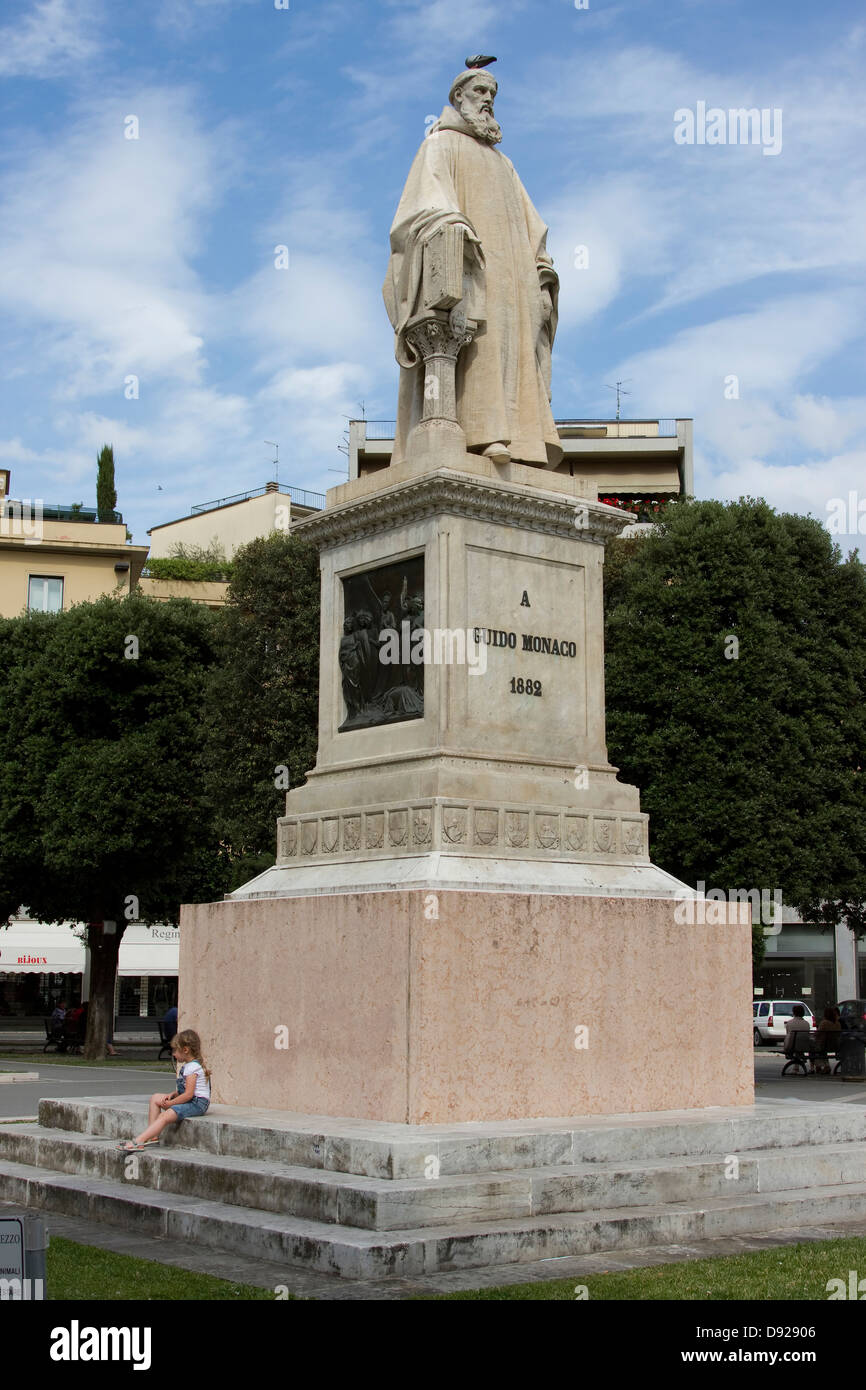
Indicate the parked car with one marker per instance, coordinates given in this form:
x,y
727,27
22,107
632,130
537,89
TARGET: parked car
x,y
770,1015
852,1013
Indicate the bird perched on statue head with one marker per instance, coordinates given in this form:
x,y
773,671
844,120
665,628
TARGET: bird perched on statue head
x,y
479,60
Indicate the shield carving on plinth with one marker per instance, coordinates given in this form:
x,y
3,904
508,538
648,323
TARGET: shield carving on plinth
x,y
632,836
604,832
375,830
422,826
351,832
330,835
486,827
547,832
517,828
575,832
398,827
309,836
454,825
290,839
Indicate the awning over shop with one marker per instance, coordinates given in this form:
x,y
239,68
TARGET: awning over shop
x,y
42,948
149,950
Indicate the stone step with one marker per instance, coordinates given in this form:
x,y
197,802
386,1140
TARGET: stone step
x,y
382,1204
394,1151
354,1253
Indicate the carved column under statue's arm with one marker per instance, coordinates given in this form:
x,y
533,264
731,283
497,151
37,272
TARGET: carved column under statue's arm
x,y
453,263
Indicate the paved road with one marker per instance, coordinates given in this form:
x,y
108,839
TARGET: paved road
x,y
59,1080
771,1085
55,1079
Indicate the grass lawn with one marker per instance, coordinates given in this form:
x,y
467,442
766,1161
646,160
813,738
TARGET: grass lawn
x,y
15,1061
799,1272
793,1271
85,1272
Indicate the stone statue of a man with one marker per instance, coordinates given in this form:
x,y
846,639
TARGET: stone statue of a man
x,y
460,179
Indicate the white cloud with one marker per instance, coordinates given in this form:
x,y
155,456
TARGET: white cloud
x,y
52,38
621,222
98,238
434,23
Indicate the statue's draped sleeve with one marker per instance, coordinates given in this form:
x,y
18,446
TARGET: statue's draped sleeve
x,y
548,279
429,202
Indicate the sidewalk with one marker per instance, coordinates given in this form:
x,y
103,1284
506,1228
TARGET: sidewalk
x,y
31,1041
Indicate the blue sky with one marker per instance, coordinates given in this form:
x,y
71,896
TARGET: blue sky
x,y
261,127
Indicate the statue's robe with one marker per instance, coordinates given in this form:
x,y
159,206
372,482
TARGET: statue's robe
x,y
503,376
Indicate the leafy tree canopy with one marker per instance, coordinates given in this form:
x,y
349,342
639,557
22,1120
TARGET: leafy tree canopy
x,y
749,753
101,787
262,697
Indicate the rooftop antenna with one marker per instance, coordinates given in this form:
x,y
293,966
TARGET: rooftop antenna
x,y
277,460
620,391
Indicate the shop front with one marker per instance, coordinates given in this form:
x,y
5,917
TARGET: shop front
x,y
42,964
800,963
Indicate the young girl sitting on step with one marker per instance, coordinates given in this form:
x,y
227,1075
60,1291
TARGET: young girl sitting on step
x,y
191,1097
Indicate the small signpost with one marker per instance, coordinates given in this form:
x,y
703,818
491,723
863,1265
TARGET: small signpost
x,y
23,1243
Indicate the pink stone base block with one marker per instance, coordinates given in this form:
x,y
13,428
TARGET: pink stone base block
x,y
449,1007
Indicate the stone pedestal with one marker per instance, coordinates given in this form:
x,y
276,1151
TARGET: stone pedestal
x,y
463,923
440,1006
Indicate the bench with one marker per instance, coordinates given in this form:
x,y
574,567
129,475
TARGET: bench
x,y
804,1049
165,1036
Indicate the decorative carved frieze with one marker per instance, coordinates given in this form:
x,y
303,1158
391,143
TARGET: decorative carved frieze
x,y
504,830
463,495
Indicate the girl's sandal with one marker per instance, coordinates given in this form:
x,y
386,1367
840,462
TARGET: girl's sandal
x,y
130,1147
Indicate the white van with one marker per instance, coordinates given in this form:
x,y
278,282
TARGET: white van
x,y
769,1017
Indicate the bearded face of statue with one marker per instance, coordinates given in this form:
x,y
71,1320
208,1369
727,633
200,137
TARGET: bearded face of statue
x,y
474,101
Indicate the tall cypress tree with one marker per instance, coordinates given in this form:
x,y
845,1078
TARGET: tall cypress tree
x,y
106,493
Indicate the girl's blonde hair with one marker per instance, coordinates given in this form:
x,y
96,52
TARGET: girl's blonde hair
x,y
192,1042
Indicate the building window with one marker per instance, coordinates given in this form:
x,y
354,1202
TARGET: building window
x,y
45,594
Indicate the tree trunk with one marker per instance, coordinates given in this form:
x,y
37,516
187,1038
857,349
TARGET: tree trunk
x,y
104,950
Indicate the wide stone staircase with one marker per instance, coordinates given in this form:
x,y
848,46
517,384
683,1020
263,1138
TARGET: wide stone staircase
x,y
365,1200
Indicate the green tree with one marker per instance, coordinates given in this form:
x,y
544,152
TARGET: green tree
x,y
103,816
262,697
106,493
735,683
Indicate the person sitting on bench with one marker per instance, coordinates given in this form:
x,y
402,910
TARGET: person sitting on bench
x,y
793,1025
827,1036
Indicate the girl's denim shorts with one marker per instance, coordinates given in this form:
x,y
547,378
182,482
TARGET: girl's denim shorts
x,y
188,1109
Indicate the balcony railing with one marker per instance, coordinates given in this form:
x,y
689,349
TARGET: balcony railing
x,y
32,506
314,500
664,429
